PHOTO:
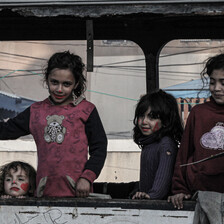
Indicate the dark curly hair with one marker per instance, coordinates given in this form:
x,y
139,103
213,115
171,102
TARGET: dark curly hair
x,y
29,170
163,106
67,60
211,64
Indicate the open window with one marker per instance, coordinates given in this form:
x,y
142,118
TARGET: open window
x,y
115,85
180,65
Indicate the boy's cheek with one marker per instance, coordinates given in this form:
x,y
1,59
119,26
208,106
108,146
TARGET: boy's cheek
x,y
156,127
139,121
24,186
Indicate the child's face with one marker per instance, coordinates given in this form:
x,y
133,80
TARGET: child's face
x,y
61,83
216,85
16,183
147,124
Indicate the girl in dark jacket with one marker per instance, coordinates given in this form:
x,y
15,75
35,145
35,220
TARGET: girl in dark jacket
x,y
158,131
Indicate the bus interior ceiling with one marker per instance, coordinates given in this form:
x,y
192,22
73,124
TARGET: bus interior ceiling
x,y
150,24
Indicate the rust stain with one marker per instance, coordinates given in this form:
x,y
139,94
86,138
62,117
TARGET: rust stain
x,y
116,210
29,212
177,216
102,215
72,214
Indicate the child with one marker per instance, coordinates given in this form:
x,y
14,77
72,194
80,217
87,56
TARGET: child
x,y
64,126
17,179
158,130
203,139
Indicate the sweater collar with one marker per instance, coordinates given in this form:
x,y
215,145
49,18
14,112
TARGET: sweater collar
x,y
146,140
213,104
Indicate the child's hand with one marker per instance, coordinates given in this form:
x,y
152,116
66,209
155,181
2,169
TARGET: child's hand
x,y
82,188
141,195
21,196
177,199
9,196
6,196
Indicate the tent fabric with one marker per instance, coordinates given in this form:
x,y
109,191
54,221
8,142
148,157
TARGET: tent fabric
x,y
13,102
191,89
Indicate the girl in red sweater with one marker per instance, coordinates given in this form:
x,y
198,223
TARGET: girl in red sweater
x,y
66,128
202,140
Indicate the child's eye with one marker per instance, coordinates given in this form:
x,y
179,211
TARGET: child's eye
x,y
8,179
212,82
153,116
67,84
141,117
21,179
54,82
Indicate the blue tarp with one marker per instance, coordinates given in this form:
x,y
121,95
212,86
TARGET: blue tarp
x,y
13,102
189,89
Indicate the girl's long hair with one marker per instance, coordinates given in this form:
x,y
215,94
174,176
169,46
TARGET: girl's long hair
x,y
163,106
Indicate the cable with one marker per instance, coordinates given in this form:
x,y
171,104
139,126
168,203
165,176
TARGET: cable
x,y
188,52
23,56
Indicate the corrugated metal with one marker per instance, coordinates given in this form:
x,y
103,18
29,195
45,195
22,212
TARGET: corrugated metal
x,y
99,2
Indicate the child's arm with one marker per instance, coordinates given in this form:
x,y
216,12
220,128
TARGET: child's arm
x,y
16,127
97,141
185,152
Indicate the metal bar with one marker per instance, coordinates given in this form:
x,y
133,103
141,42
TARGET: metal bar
x,y
152,82
103,2
89,38
166,89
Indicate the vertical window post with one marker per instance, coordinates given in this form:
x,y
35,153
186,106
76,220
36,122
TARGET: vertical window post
x,y
89,38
